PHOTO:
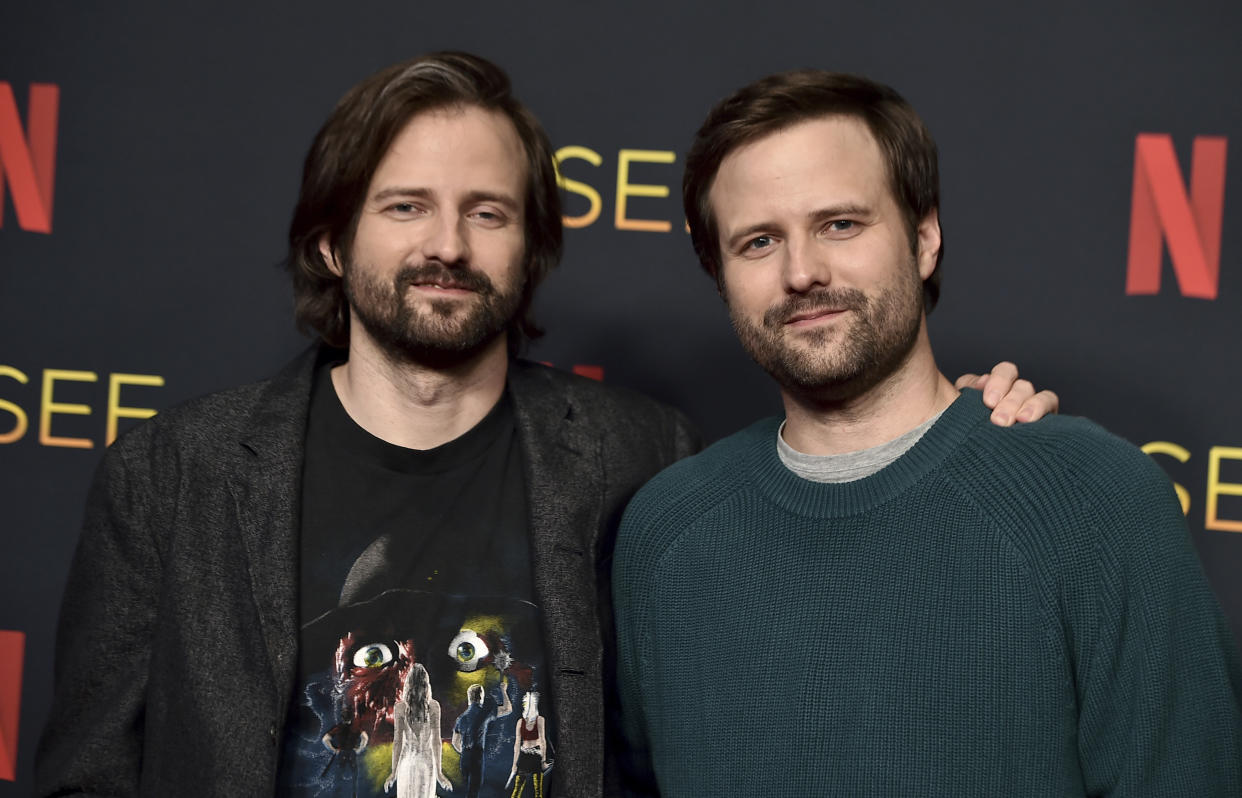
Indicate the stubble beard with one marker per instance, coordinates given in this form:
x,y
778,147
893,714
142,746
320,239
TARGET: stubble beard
x,y
438,332
836,363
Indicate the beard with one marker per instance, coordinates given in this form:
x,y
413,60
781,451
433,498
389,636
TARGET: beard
x,y
436,332
836,362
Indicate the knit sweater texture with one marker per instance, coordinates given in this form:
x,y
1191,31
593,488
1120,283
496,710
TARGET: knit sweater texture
x,y
999,612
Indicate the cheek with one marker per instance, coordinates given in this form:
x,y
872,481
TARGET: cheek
x,y
382,244
750,293
502,259
878,264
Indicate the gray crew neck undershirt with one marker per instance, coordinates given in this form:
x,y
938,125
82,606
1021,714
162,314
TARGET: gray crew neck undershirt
x,y
851,465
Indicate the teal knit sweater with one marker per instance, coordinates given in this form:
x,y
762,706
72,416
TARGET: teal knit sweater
x,y
1000,612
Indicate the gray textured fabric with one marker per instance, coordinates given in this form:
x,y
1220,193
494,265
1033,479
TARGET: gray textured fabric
x,y
851,465
177,645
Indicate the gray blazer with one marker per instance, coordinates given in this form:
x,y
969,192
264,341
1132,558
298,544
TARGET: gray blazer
x,y
177,646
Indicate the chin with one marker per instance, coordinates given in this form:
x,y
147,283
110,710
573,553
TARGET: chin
x,y
825,382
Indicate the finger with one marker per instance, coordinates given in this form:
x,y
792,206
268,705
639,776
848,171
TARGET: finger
x,y
970,381
1006,410
1041,404
1000,382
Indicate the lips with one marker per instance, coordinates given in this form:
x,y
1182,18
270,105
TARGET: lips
x,y
443,284
811,315
824,304
437,277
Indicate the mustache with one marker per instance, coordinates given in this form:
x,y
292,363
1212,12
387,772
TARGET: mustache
x,y
460,276
820,299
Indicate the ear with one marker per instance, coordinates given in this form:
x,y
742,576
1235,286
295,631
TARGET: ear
x,y
928,243
329,256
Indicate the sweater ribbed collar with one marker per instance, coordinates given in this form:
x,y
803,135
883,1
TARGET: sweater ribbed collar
x,y
828,500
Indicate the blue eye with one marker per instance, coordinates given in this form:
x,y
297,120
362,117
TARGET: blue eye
x,y
373,655
489,217
759,242
468,650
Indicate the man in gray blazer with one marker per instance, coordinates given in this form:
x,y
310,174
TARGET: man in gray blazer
x,y
260,570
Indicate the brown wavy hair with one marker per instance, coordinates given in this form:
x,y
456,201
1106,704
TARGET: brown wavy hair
x,y
348,149
779,101
416,692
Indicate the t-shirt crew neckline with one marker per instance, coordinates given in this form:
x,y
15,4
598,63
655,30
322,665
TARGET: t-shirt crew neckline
x,y
848,466
350,439
804,497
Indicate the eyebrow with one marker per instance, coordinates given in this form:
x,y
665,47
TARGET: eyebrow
x,y
816,217
471,197
401,191
835,211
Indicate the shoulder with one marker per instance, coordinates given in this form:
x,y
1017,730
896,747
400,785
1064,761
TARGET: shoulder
x,y
197,441
202,431
719,464
204,419
586,394
1067,487
221,419
627,422
1061,449
685,491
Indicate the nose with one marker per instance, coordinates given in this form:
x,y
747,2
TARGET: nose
x,y
806,266
446,240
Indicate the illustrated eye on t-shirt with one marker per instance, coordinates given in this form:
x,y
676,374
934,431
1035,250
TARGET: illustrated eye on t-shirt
x,y
421,652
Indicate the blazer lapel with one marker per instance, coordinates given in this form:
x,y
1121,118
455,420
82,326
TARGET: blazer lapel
x,y
565,489
266,489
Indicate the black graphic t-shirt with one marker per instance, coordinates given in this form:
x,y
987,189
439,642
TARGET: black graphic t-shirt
x,y
421,667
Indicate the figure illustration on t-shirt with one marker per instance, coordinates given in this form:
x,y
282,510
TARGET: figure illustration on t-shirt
x,y
382,651
530,751
470,733
345,740
416,739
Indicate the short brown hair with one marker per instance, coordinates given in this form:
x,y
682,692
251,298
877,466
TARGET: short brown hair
x,y
779,101
348,149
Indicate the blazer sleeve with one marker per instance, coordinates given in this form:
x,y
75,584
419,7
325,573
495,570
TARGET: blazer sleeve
x,y
93,741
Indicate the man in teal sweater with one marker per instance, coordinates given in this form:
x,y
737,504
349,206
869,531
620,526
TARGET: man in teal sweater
x,y
885,595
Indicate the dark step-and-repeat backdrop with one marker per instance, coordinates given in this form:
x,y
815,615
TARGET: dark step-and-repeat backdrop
x,y
150,155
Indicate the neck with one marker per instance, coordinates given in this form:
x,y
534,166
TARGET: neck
x,y
414,405
901,401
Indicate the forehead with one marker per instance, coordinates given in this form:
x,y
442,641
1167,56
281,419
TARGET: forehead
x,y
458,148
801,168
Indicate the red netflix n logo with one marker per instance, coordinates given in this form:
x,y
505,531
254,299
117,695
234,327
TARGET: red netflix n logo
x,y
28,160
12,647
1191,224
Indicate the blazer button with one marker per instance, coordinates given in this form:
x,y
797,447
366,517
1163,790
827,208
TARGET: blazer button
x,y
271,732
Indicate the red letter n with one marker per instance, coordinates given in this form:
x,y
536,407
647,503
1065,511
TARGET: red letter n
x,y
28,162
12,648
1191,225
